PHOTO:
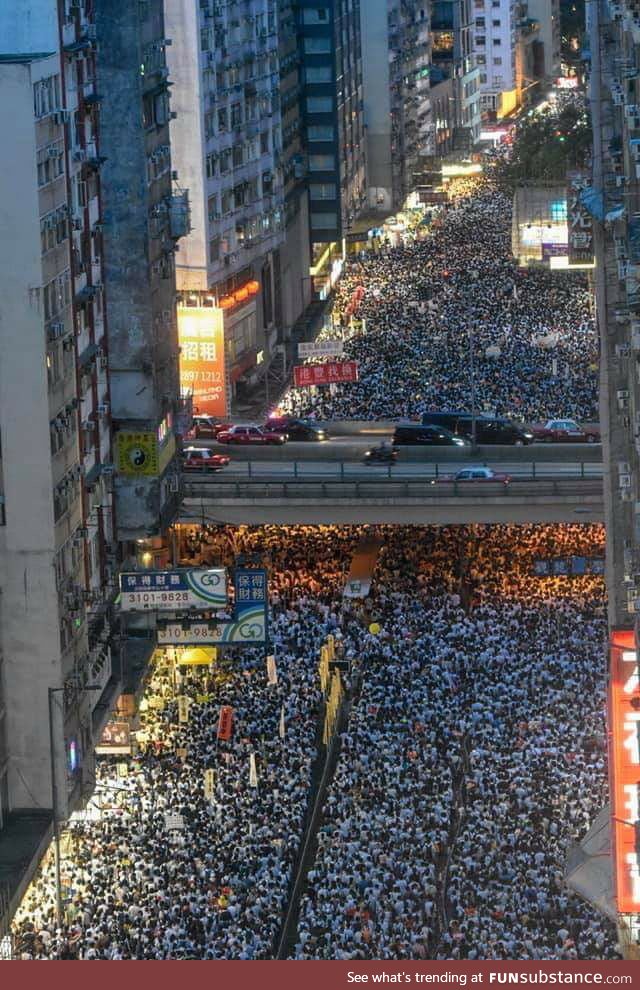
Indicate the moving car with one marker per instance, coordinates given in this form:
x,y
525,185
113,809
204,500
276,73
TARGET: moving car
x,y
296,429
251,435
475,475
206,428
383,454
564,431
201,459
429,435
489,429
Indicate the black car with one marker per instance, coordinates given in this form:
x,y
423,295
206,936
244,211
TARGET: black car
x,y
489,429
428,435
297,429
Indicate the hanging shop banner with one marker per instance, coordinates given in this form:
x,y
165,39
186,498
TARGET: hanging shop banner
x,y
197,657
321,348
624,768
225,723
137,453
333,373
116,738
202,361
249,624
579,220
173,590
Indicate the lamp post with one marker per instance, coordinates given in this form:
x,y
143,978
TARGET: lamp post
x,y
472,369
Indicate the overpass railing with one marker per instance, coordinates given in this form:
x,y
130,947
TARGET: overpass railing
x,y
424,489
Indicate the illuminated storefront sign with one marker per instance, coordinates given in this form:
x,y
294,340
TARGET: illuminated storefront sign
x,y
137,453
202,361
249,624
325,374
172,590
624,768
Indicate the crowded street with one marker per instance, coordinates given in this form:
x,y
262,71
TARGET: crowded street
x,y
462,780
430,302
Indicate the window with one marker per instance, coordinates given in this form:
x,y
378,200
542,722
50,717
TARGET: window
x,y
481,59
238,155
214,249
496,22
324,221
264,143
225,161
227,201
319,104
204,39
497,60
483,78
317,74
497,41
46,96
317,46
480,40
480,22
320,132
236,115
212,207
222,118
211,165
322,163
322,190
315,15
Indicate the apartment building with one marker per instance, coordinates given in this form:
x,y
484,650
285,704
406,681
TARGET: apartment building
x,y
455,78
494,43
145,212
396,57
329,38
57,521
227,148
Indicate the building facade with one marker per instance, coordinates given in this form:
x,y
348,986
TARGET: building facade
x,y
227,148
396,57
455,78
494,44
57,538
144,214
329,41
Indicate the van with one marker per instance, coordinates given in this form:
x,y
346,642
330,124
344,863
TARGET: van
x,y
489,429
427,435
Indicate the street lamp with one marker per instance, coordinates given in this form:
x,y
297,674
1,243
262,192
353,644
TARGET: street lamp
x,y
54,796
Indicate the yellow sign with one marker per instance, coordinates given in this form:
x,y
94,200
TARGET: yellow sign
x,y
198,656
167,451
137,453
209,784
374,628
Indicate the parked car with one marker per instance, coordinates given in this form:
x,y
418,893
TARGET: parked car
x,y
475,475
296,429
251,436
385,453
565,431
203,459
489,429
206,428
429,435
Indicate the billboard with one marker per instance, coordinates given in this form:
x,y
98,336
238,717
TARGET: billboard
x,y
335,372
321,348
624,768
170,591
579,220
249,624
202,360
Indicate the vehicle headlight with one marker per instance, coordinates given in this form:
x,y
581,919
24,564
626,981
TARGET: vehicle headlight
x,y
459,442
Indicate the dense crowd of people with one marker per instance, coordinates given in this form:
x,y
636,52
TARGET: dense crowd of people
x,y
465,771
431,305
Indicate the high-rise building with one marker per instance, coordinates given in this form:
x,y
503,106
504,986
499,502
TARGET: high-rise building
x,y
293,283
494,42
399,126
547,14
227,147
144,214
334,135
57,519
87,195
455,77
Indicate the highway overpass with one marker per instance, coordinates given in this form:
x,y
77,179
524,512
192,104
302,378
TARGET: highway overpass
x,y
287,492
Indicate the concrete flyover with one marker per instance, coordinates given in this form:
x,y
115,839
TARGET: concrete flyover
x,y
351,494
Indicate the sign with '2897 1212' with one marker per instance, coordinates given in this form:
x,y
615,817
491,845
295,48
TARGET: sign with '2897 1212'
x,y
171,591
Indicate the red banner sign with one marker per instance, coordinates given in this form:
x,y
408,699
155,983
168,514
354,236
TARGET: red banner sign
x,y
225,723
624,768
325,374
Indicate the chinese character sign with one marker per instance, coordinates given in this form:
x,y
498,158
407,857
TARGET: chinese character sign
x,y
624,768
173,590
578,221
202,360
335,372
